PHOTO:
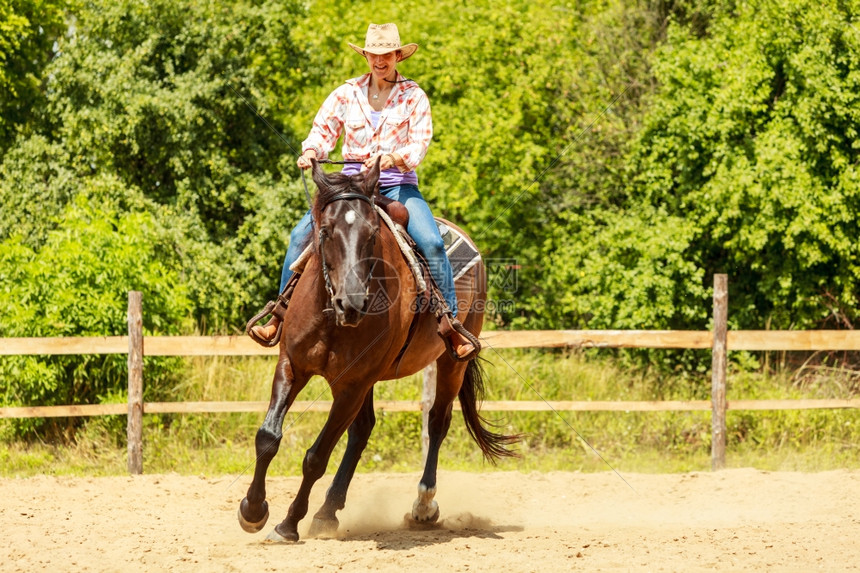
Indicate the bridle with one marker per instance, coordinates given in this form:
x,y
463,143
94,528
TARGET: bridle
x,y
323,235
323,232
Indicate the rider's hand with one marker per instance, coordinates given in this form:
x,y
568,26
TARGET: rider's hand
x,y
304,161
387,162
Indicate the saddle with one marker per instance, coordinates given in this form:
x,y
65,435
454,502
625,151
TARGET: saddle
x,y
394,209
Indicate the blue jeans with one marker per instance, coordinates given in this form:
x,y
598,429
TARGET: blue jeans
x,y
422,228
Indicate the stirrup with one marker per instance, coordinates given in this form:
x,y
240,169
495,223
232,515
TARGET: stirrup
x,y
249,328
277,308
449,325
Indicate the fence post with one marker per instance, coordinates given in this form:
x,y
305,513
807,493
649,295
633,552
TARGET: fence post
x,y
718,372
135,383
428,396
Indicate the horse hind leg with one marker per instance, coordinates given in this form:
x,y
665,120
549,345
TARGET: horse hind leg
x,y
425,509
464,381
325,521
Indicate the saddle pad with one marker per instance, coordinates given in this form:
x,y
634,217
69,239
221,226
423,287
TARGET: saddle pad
x,y
461,253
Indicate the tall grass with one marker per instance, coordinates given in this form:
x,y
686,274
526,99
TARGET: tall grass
x,y
807,440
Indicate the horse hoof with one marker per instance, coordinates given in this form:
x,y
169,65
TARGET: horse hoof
x,y
425,513
425,509
276,537
252,526
409,522
322,528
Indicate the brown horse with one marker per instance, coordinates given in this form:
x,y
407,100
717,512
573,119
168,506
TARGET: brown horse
x,y
336,327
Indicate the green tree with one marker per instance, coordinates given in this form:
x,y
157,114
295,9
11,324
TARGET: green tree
x,y
160,96
144,169
29,30
753,137
743,160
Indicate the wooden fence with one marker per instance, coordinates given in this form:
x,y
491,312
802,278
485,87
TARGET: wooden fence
x,y
720,341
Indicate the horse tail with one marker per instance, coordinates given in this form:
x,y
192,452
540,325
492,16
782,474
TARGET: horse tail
x,y
493,445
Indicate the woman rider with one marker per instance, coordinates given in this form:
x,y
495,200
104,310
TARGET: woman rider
x,y
384,116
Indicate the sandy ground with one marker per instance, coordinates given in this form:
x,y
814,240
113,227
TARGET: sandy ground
x,y
731,520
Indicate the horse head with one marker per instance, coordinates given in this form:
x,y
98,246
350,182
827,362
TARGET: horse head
x,y
348,226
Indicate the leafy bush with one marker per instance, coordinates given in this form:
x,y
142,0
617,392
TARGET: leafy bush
x,y
77,284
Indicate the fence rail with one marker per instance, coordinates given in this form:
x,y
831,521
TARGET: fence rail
x,y
763,340
213,407
720,341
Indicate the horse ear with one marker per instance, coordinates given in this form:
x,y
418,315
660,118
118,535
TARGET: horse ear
x,y
372,178
318,175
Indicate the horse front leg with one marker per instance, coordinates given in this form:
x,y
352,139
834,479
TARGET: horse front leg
x,y
325,521
254,510
345,407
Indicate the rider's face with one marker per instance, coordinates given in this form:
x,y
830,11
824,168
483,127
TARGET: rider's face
x,y
383,66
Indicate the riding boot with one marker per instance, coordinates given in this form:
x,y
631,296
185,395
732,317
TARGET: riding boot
x,y
267,331
460,345
269,334
452,332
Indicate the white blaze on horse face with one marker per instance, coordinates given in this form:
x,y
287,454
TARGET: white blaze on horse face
x,y
349,217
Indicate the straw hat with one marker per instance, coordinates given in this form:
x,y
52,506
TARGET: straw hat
x,y
383,39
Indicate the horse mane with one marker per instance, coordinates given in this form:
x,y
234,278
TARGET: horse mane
x,y
335,184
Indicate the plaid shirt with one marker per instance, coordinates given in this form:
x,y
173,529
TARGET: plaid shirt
x,y
405,126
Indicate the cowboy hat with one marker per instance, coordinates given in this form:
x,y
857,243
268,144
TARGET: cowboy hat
x,y
383,39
